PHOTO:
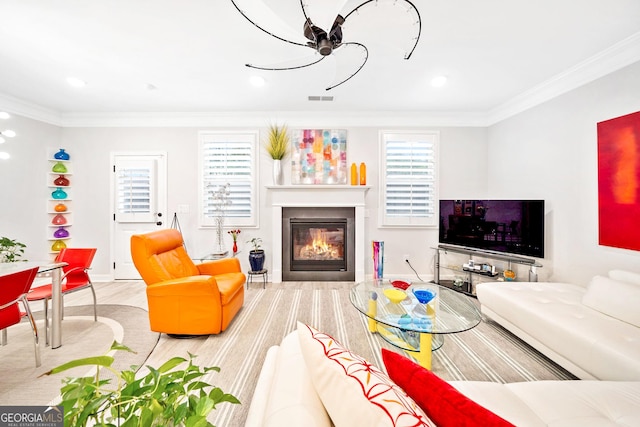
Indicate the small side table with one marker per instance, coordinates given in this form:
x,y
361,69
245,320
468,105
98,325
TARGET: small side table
x,y
262,273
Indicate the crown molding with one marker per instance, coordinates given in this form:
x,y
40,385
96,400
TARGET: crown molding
x,y
325,119
30,110
618,56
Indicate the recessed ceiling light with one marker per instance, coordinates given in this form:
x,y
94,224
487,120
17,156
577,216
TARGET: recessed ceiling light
x,y
439,81
8,133
1,140
4,155
76,82
4,115
257,81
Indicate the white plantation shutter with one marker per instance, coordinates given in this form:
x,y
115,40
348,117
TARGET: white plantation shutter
x,y
229,158
409,179
135,180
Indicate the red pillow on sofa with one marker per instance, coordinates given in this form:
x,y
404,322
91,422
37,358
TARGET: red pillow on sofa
x,y
445,405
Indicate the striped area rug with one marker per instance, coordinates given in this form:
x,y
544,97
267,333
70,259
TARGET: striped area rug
x,y
485,353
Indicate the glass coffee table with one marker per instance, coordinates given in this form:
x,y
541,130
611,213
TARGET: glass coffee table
x,y
416,327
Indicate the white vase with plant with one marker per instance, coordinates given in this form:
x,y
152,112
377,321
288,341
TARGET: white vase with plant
x,y
277,145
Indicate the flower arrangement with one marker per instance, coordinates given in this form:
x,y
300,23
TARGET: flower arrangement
x,y
234,234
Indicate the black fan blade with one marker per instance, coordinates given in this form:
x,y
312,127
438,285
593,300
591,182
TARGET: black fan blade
x,y
264,12
414,16
291,64
350,58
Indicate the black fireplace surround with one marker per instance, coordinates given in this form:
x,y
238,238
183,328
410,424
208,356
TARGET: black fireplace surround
x,y
318,244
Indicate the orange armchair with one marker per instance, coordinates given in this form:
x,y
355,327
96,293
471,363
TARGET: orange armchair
x,y
186,298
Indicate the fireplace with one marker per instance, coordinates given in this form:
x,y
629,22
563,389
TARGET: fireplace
x,y
318,244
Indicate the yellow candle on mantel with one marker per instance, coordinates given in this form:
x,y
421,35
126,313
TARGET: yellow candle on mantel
x,y
363,174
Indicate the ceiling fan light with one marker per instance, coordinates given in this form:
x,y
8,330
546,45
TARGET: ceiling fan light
x,y
325,47
257,81
439,81
76,82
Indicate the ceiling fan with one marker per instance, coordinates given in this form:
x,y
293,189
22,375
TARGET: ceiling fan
x,y
322,31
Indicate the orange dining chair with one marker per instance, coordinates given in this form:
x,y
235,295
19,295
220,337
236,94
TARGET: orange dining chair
x,y
14,289
75,277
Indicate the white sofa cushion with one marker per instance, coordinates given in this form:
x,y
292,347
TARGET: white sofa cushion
x,y
614,298
625,276
559,403
292,399
355,392
551,317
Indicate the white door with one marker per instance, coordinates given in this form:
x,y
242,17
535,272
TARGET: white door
x,y
139,204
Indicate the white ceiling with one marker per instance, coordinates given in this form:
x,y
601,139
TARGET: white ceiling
x,y
499,56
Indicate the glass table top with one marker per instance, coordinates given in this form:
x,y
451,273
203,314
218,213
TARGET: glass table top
x,y
448,312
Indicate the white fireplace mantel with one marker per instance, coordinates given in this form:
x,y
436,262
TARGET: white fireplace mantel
x,y
316,196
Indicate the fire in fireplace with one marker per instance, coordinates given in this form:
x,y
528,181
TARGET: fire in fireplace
x,y
318,244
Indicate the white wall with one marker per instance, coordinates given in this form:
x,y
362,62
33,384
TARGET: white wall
x,y
23,183
550,152
463,174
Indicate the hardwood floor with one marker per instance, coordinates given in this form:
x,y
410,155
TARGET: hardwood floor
x,y
133,293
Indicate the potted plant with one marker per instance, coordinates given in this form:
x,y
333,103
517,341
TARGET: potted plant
x,y
11,250
256,255
277,146
166,396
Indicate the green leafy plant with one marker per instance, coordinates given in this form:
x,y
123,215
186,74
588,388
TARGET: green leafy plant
x,y
256,242
277,144
166,396
11,250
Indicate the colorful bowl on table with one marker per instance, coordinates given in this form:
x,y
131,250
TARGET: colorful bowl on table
x,y
424,295
395,295
400,284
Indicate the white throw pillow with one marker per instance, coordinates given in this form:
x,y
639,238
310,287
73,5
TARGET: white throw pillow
x,y
354,392
619,300
625,276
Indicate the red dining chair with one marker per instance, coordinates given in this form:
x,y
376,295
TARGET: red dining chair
x,y
75,277
14,290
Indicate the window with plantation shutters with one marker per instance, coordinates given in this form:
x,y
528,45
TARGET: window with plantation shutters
x,y
135,181
228,158
408,172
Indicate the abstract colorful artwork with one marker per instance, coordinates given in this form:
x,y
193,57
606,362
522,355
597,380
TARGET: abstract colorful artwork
x,y
619,182
319,156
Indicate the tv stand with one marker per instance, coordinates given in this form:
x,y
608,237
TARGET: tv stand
x,y
467,276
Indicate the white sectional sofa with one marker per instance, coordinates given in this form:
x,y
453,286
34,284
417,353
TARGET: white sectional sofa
x,y
593,332
286,396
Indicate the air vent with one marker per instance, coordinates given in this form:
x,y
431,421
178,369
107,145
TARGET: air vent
x,y
320,98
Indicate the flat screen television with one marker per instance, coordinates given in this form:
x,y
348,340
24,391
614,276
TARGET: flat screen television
x,y
506,226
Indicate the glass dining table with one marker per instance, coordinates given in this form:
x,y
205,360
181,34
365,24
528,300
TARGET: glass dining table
x,y
55,270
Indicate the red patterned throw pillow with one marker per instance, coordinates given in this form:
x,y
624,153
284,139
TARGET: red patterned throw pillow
x,y
353,391
445,405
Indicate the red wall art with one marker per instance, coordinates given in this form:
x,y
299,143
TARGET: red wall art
x,y
619,182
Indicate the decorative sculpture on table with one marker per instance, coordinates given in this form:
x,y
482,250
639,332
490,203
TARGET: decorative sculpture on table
x,y
220,202
378,259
